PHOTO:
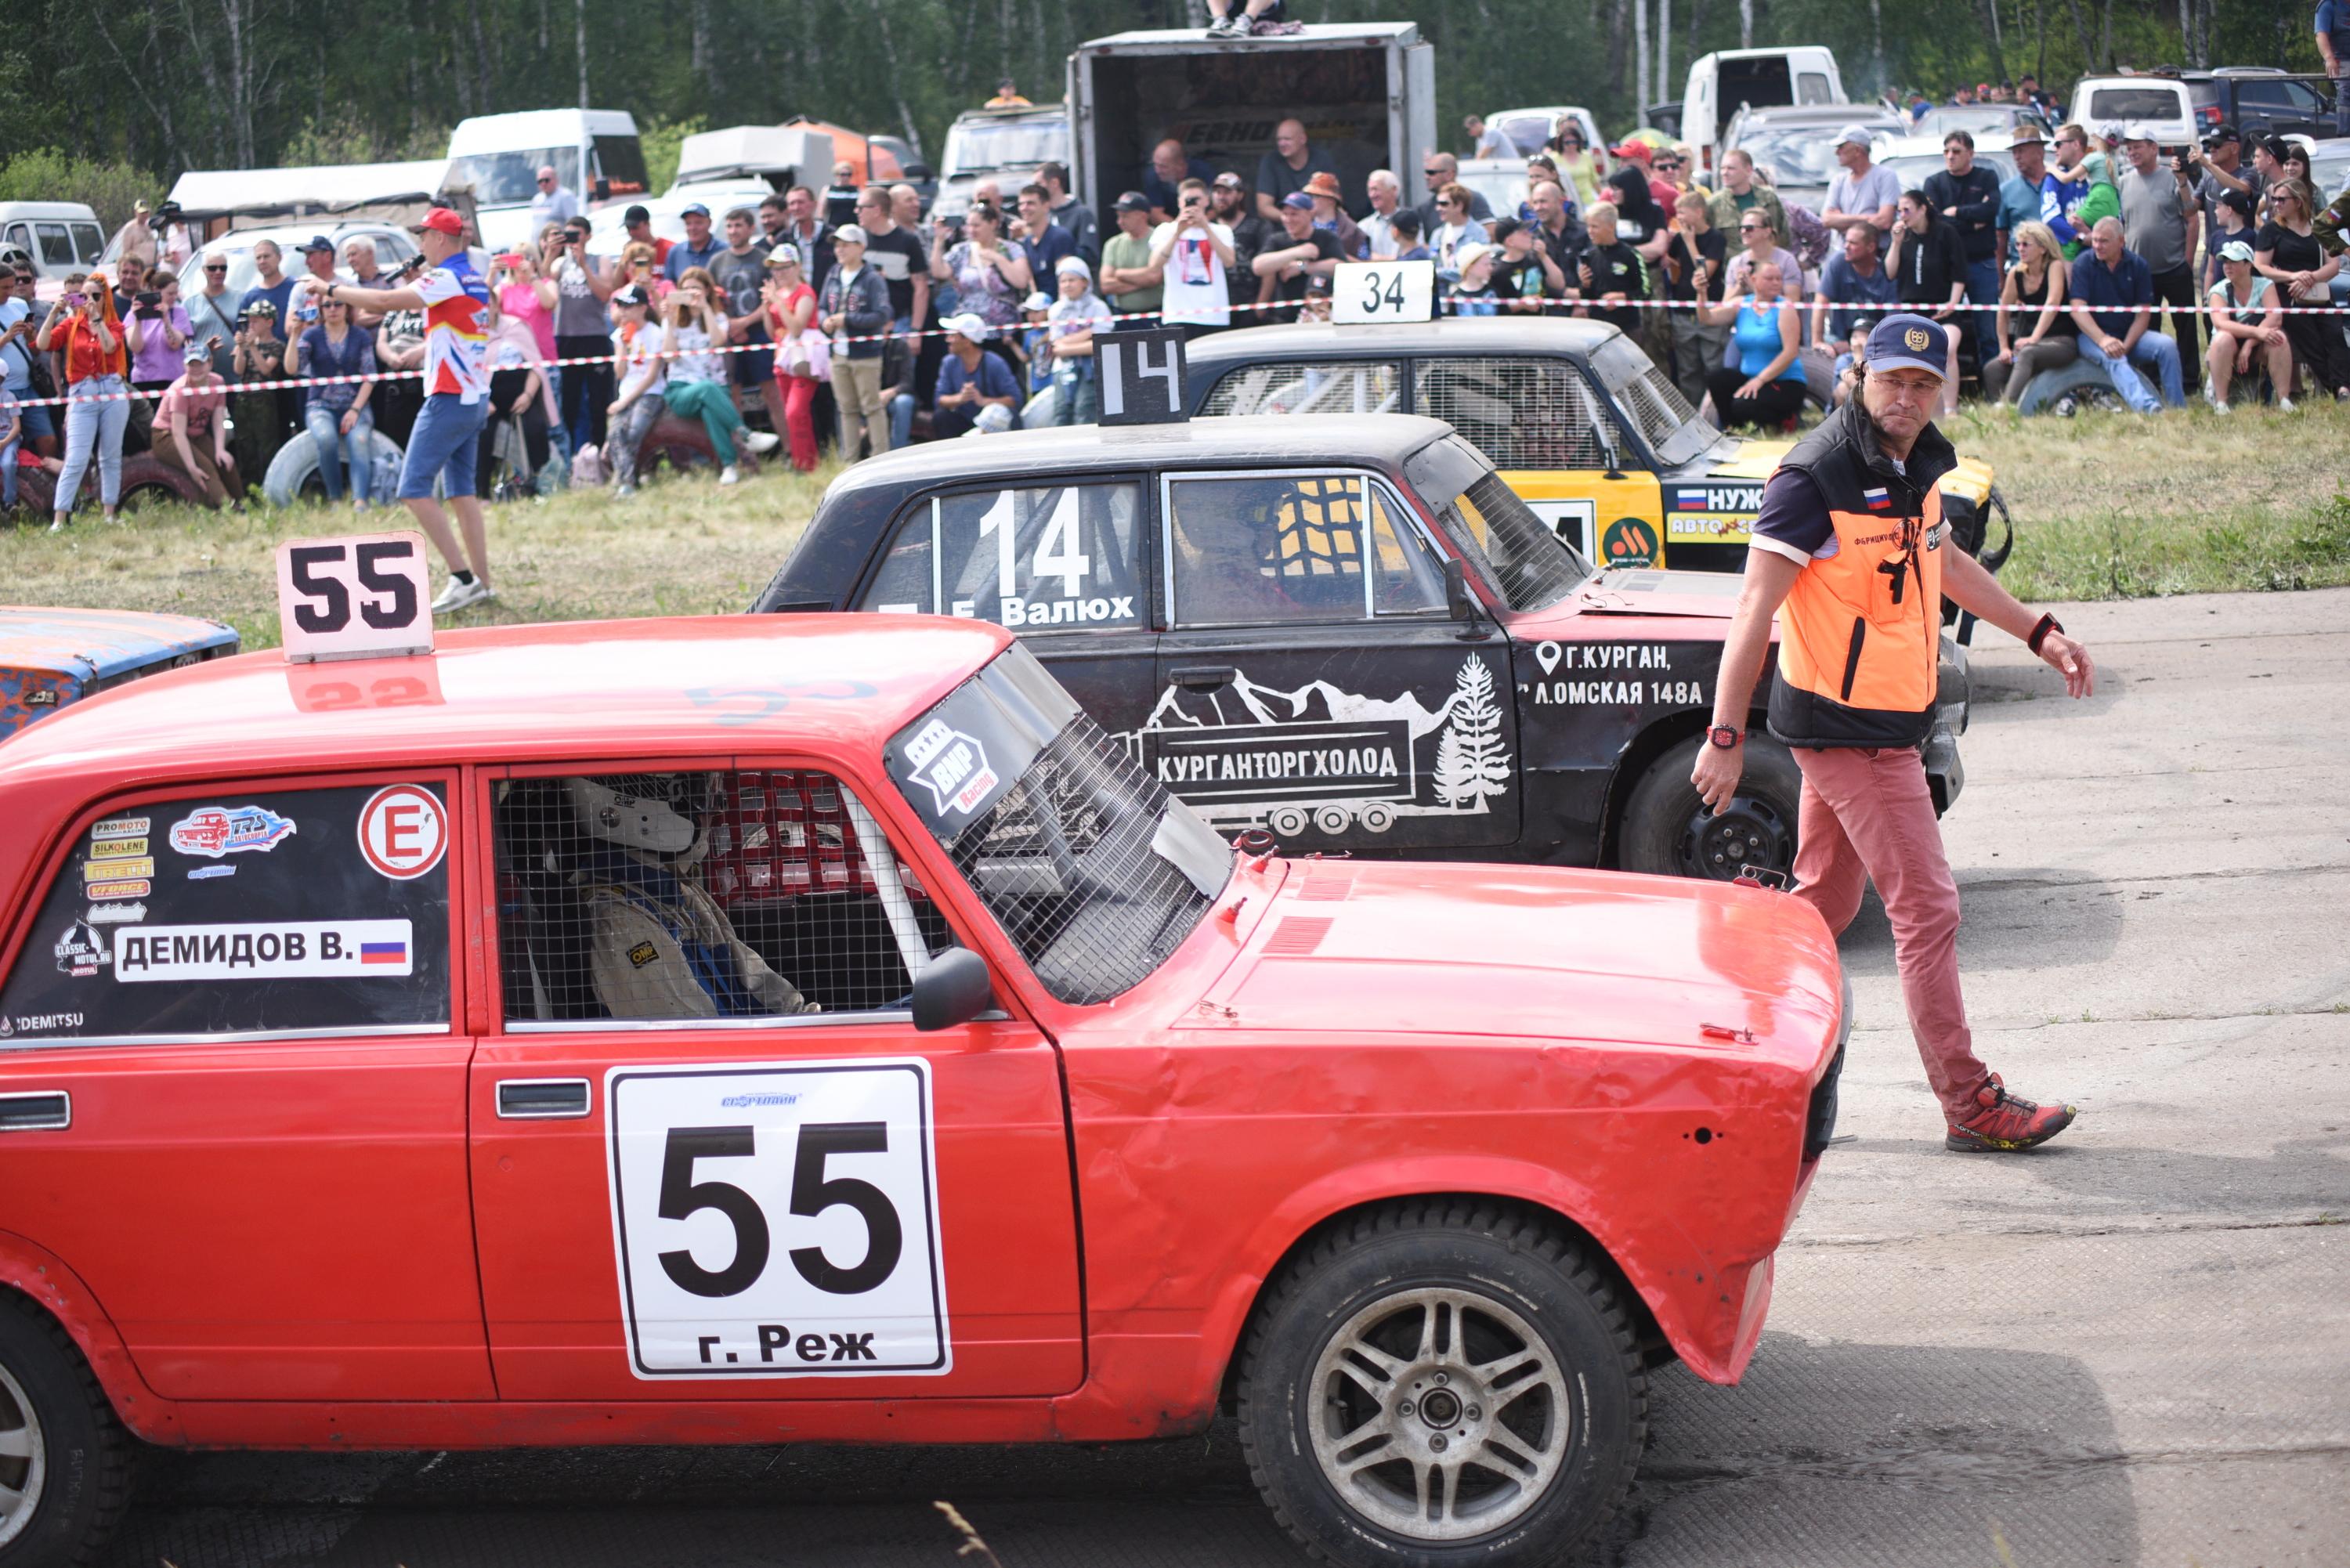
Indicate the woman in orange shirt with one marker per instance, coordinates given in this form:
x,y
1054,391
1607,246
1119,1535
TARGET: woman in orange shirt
x,y
83,326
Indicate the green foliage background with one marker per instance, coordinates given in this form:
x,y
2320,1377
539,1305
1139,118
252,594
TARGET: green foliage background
x,y
102,103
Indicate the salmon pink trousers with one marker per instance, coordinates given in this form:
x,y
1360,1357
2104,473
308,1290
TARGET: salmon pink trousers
x,y
1867,816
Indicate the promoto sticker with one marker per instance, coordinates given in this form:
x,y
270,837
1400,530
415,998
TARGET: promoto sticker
x,y
214,831
133,887
119,827
403,832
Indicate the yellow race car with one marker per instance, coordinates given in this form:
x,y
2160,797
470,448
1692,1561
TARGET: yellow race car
x,y
1585,427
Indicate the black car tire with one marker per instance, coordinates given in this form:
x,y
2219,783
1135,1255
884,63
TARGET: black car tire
x,y
1665,836
1496,1265
85,1457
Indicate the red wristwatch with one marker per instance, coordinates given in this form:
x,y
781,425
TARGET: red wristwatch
x,y
1726,736
2048,623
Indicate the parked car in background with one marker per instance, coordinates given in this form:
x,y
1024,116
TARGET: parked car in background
x,y
60,237
1501,181
593,151
1991,124
1795,149
52,659
1723,83
1913,158
1528,130
1004,145
393,246
2260,100
2163,105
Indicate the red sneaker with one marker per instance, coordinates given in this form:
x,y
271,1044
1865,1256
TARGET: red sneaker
x,y
2006,1123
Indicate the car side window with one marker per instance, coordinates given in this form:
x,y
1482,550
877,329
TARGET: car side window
x,y
261,911
1345,386
1485,400
1050,557
1406,577
1270,547
691,898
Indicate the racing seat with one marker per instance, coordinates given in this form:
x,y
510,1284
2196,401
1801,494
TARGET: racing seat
x,y
545,975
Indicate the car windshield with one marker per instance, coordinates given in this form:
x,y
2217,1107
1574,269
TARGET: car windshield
x,y
1652,404
511,179
2330,171
1913,168
983,146
1504,188
1092,869
1797,155
1526,133
1518,554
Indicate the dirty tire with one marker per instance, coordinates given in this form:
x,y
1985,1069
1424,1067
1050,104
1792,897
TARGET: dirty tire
x,y
1499,1263
2068,388
86,1457
1658,835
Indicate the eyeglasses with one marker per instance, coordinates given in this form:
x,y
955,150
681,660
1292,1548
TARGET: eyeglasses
x,y
217,267
1915,389
1433,173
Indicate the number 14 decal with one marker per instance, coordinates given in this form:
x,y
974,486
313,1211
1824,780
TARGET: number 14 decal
x,y
715,1168
1058,553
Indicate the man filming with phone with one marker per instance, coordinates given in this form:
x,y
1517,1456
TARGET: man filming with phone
x,y
1193,253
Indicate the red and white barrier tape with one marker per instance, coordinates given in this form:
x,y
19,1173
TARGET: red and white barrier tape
x,y
1170,316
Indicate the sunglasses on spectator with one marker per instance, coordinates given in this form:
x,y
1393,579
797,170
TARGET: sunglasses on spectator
x,y
217,267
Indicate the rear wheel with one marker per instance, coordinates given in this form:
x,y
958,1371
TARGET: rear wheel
x,y
1443,1383
65,1463
1669,832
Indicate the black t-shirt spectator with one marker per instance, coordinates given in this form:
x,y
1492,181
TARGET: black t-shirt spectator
x,y
2294,253
1252,237
1616,269
1711,246
1276,179
1520,280
1326,248
900,242
1566,247
1931,263
1975,195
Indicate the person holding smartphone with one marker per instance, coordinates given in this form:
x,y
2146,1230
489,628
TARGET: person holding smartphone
x,y
583,292
84,331
1194,254
158,330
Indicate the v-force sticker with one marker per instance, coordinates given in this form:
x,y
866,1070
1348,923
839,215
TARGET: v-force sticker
x,y
212,831
807,1242
403,832
952,765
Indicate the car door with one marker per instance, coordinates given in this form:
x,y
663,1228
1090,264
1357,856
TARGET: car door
x,y
1065,566
240,1008
688,1188
2280,108
1311,679
1551,434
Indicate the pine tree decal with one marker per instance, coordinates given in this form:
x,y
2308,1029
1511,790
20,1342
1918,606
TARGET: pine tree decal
x,y
1456,781
1478,723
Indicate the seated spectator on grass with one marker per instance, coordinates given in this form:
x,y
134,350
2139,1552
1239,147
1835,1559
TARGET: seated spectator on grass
x,y
2035,331
2247,330
976,391
2112,294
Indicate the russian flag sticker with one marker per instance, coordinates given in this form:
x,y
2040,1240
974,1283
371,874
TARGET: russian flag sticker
x,y
1877,499
383,952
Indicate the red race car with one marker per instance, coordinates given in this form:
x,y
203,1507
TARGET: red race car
x,y
736,1030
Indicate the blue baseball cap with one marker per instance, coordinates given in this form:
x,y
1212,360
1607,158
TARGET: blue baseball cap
x,y
690,208
1299,199
1908,340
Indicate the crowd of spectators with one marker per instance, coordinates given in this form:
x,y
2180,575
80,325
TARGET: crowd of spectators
x,y
825,315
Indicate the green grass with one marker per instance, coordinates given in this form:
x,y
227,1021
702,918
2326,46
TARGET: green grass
x,y
2105,506
2122,507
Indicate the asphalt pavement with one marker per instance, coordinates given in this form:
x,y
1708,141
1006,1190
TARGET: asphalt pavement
x,y
2132,1346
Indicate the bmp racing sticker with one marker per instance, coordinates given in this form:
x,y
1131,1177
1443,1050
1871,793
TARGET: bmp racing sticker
x,y
778,1221
952,765
212,831
272,950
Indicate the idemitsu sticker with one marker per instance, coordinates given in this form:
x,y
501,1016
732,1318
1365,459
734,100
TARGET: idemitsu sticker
x,y
212,831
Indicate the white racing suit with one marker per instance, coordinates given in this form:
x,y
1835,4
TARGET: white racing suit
x,y
661,947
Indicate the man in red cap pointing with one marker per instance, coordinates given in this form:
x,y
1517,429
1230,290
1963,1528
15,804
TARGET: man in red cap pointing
x,y
442,446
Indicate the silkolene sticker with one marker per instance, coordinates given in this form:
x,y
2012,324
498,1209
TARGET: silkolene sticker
x,y
212,831
318,911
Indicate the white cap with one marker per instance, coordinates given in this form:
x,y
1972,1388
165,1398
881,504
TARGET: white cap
x,y
1856,134
968,325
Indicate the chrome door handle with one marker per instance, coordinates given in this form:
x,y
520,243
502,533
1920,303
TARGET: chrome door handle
x,y
543,1099
44,1110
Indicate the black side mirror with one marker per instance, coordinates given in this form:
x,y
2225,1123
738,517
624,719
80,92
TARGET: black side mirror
x,y
918,172
603,188
954,989
1459,603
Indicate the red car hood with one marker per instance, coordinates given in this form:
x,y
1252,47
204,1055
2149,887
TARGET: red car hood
x,y
1357,948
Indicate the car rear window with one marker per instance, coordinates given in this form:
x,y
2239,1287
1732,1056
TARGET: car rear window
x,y
243,913
2134,103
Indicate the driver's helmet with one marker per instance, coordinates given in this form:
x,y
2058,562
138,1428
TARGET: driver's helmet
x,y
660,815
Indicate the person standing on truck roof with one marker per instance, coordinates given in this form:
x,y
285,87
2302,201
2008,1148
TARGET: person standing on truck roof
x,y
1287,168
1224,25
1851,554
2334,46
1007,96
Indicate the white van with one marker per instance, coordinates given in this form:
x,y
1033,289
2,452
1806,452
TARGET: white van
x,y
595,153
61,236
2161,104
1719,83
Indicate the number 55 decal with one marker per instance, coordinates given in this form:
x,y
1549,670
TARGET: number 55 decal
x,y
714,1169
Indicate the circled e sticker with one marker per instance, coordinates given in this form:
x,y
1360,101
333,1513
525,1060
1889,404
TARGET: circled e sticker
x,y
403,831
